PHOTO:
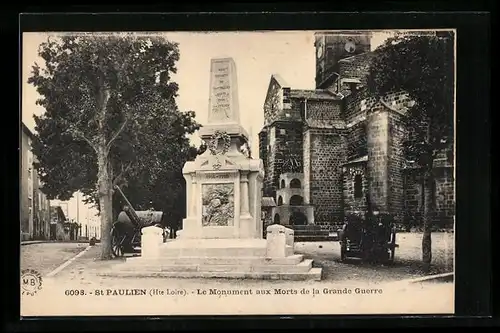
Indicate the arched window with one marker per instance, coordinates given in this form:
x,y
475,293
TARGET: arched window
x,y
296,200
276,219
358,186
280,201
282,185
295,183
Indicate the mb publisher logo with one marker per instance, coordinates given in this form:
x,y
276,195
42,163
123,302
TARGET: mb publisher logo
x,y
31,282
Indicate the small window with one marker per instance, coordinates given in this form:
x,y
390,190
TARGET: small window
x,y
358,186
295,183
282,185
280,201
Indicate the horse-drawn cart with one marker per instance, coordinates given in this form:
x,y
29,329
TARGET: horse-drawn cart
x,y
126,230
371,239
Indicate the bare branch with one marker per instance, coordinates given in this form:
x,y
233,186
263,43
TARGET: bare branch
x,y
117,133
78,134
120,175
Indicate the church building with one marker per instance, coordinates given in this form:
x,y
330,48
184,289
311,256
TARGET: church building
x,y
325,150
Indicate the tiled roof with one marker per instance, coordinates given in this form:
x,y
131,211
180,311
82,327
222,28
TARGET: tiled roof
x,y
314,94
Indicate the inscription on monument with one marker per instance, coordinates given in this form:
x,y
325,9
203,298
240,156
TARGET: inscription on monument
x,y
218,176
221,91
218,205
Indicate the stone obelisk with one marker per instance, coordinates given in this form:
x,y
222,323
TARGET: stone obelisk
x,y
222,233
223,184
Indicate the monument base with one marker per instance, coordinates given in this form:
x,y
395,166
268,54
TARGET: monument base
x,y
216,258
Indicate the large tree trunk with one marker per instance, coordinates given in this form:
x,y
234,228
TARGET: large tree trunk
x,y
427,219
104,183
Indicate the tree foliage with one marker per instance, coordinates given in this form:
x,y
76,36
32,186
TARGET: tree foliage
x,y
111,118
422,65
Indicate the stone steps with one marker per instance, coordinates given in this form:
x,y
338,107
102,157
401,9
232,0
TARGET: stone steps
x,y
221,258
302,267
218,252
312,274
251,261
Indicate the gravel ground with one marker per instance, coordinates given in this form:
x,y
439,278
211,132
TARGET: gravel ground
x,y
45,257
407,263
394,297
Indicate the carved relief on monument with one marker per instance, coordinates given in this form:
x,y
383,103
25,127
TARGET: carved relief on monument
x,y
218,205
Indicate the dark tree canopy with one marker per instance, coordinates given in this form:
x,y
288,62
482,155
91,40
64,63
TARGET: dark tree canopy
x,y
423,66
144,132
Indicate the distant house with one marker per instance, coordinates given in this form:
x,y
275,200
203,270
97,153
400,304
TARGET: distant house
x,y
60,226
35,207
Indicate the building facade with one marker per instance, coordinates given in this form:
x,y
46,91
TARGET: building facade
x,y
325,150
35,207
59,224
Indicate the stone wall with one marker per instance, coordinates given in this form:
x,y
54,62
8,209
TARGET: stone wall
x,y
356,67
378,152
323,113
356,141
325,159
396,162
444,196
385,137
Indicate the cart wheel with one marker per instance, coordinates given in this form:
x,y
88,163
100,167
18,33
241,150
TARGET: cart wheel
x,y
116,243
343,251
392,249
391,256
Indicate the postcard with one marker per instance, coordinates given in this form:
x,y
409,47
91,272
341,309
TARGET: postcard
x,y
238,173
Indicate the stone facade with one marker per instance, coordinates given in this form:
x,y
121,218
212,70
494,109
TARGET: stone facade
x,y
35,207
347,143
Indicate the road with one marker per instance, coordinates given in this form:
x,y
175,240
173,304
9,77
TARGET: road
x,y
45,257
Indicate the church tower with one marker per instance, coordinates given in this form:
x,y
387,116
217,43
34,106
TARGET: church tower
x,y
334,46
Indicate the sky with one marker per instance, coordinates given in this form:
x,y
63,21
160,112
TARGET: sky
x,y
257,55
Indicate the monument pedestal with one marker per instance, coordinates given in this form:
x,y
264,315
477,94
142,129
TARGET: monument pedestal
x,y
217,258
222,231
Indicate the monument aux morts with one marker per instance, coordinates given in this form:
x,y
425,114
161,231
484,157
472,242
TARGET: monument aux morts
x,y
222,233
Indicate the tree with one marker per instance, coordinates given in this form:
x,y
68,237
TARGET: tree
x,y
422,65
110,116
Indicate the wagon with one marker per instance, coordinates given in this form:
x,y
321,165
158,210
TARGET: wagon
x,y
126,230
371,239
